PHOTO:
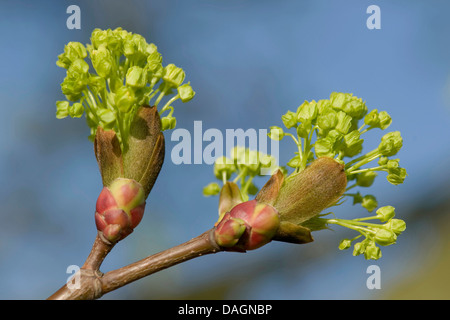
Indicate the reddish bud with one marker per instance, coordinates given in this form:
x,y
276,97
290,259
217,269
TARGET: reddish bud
x,y
105,201
261,223
119,209
229,231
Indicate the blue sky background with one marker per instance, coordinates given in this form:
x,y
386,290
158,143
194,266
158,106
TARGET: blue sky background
x,y
249,62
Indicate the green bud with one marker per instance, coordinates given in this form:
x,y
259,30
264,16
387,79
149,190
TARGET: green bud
x,y
345,244
344,122
211,189
99,37
120,33
380,120
237,155
107,118
324,148
396,179
72,52
385,213
107,38
357,198
186,93
252,162
324,106
276,133
335,137
338,99
303,129
124,99
385,120
392,164
96,83
173,75
62,109
295,162
327,121
136,77
385,237
289,119
168,123
154,61
224,165
129,47
366,179
348,103
372,252
352,144
396,225
355,107
328,146
369,202
372,119
267,160
76,110
359,248
390,144
383,161
137,49
102,61
72,87
114,40
307,111
79,69
396,174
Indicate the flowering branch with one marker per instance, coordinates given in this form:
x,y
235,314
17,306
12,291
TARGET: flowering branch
x,y
126,128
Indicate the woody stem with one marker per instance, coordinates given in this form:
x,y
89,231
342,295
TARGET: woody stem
x,y
94,284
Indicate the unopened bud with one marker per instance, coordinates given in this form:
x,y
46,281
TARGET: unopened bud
x,y
276,133
229,231
385,213
345,244
372,252
261,223
119,209
390,144
359,248
366,179
396,225
385,237
369,202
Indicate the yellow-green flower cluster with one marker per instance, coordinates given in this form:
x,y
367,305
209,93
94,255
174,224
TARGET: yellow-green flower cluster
x,y
244,165
334,128
127,73
381,234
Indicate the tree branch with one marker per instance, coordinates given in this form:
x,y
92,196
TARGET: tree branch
x,y
94,284
99,251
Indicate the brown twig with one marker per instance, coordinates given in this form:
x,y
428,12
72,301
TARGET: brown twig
x,y
94,284
99,251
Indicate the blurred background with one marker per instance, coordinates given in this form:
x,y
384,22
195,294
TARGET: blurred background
x,y
249,62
